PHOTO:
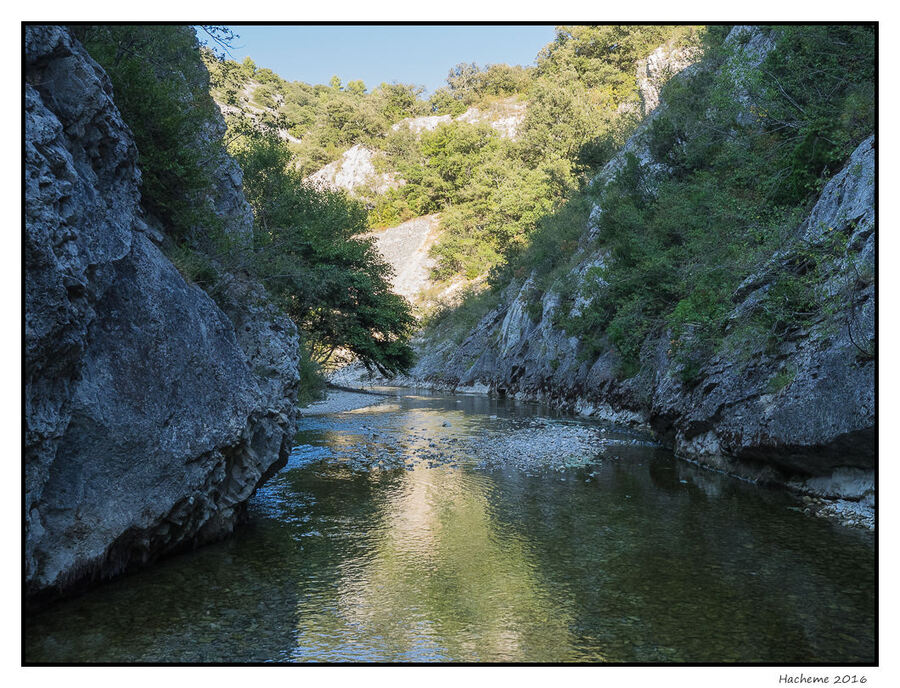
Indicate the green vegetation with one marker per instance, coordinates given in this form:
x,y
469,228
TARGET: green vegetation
x,y
304,248
493,192
678,248
307,253
582,102
468,85
782,379
457,321
162,94
327,119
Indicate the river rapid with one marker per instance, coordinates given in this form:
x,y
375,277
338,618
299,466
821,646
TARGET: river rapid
x,y
426,528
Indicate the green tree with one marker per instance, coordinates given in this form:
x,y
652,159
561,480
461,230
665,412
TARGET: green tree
x,y
397,101
357,87
447,157
308,252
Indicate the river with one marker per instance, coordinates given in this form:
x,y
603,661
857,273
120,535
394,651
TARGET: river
x,y
432,528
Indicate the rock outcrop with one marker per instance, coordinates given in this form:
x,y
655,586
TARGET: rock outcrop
x,y
801,414
660,66
355,169
424,123
505,115
152,414
406,249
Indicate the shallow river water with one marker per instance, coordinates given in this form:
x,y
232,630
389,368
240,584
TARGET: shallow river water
x,y
462,545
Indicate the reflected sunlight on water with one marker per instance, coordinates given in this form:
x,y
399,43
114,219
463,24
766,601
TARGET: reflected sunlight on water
x,y
384,539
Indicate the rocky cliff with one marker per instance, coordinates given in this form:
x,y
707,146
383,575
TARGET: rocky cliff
x,y
802,414
354,169
152,413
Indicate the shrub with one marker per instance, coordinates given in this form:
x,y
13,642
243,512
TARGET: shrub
x,y
161,89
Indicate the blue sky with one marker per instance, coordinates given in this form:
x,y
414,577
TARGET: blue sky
x,y
407,54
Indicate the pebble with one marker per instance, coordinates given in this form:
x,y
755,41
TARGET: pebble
x,y
531,445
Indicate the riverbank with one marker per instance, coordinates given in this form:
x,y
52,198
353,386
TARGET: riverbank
x,y
542,444
528,445
342,400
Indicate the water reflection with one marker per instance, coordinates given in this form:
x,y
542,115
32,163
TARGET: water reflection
x,y
635,557
440,582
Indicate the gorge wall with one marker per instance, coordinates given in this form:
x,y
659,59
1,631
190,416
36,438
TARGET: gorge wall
x,y
801,414
152,412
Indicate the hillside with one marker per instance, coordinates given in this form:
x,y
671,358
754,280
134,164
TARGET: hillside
x,y
489,155
713,279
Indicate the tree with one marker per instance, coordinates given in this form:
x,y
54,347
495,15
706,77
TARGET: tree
x,y
308,253
397,101
357,87
450,155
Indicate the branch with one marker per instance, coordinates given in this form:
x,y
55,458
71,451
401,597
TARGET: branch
x,y
222,36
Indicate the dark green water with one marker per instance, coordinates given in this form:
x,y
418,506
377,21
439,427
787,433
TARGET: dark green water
x,y
634,557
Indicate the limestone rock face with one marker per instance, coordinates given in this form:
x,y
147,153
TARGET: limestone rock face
x,y
750,44
226,196
802,414
662,64
354,169
149,419
406,249
818,414
425,123
505,115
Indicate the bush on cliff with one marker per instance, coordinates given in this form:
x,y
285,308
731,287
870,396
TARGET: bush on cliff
x,y
162,92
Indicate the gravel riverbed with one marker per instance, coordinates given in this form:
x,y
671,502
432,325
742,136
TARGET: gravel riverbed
x,y
532,445
525,444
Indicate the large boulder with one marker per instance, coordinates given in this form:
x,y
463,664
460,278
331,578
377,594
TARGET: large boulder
x,y
149,422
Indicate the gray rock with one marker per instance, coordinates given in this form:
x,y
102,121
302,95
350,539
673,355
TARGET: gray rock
x,y
659,66
149,420
354,169
406,249
816,423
